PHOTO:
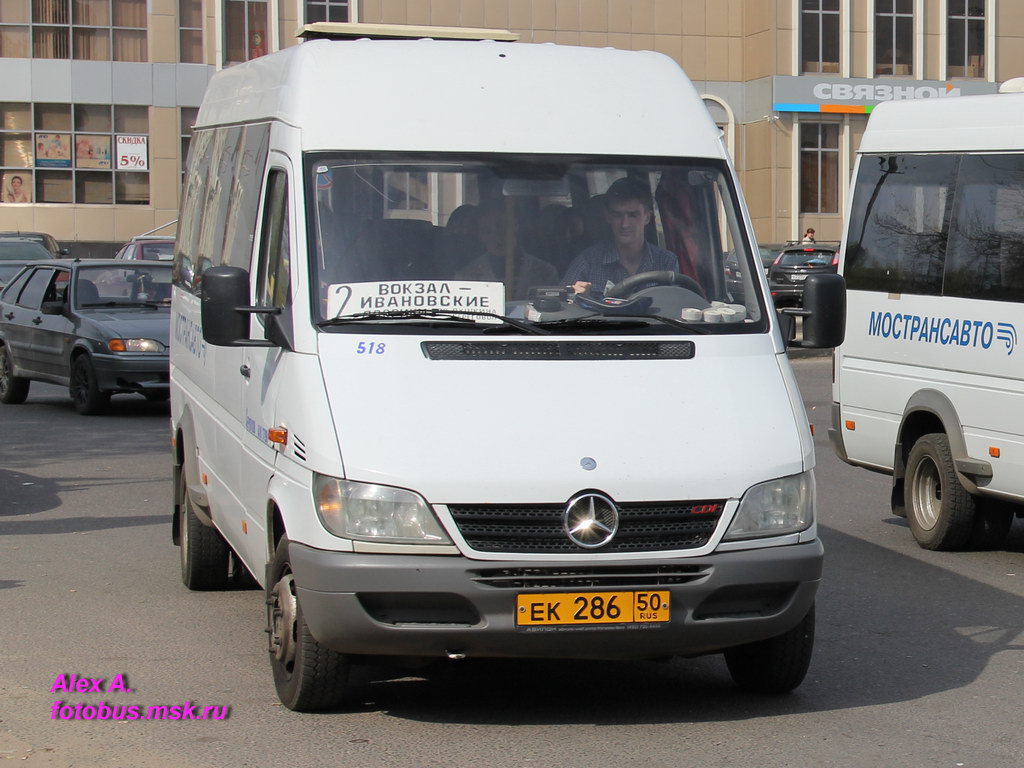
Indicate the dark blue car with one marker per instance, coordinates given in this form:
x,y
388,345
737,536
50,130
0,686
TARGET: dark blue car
x,y
99,327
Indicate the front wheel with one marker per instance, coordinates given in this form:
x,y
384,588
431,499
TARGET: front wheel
x,y
85,390
204,553
13,389
308,676
940,511
776,665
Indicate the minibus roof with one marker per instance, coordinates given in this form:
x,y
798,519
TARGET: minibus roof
x,y
469,96
350,30
947,124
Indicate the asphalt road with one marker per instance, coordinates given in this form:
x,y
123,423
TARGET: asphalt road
x,y
919,658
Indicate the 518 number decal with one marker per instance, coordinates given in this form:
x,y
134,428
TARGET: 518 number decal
x,y
371,348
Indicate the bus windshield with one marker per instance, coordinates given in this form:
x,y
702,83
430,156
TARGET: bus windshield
x,y
540,238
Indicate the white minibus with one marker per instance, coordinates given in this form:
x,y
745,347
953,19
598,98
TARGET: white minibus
x,y
458,370
928,384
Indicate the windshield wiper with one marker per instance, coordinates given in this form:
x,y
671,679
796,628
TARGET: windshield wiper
x,y
437,314
600,321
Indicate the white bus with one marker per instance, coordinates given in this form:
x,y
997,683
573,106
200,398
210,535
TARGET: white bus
x,y
929,383
400,404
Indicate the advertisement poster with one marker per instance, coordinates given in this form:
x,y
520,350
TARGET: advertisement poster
x,y
16,187
53,150
132,153
92,151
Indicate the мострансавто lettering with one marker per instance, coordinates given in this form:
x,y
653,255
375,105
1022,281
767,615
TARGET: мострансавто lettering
x,y
961,332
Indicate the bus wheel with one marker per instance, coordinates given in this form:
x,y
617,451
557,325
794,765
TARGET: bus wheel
x,y
308,676
204,553
940,511
992,521
776,665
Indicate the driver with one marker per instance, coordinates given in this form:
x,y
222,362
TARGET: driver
x,y
628,210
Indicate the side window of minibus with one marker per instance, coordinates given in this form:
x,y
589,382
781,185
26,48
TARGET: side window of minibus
x,y
272,282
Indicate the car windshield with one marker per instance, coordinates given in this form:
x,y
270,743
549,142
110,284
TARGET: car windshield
x,y
22,250
135,285
537,239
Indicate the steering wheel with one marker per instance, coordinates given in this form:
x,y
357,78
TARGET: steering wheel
x,y
642,280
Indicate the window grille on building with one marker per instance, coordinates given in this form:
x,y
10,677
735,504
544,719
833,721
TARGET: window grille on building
x,y
75,153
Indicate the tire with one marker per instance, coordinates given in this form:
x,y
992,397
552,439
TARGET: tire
x,y
13,389
84,388
204,553
158,396
308,676
776,665
940,511
993,519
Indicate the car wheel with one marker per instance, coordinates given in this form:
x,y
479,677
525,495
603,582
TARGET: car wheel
x,y
939,509
13,389
204,553
776,665
157,395
307,675
84,388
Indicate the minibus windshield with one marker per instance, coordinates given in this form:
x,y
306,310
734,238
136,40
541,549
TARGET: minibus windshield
x,y
569,245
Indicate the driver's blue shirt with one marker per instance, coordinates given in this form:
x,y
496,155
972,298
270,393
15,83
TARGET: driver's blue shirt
x,y
599,265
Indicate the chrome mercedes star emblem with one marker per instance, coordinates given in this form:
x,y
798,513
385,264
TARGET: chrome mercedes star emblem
x,y
590,520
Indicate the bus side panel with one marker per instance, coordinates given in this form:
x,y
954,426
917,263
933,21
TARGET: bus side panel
x,y
900,345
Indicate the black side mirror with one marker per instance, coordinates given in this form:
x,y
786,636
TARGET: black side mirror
x,y
225,310
224,290
824,312
52,308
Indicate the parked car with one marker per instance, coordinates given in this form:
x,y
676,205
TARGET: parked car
x,y
53,248
794,263
98,327
147,248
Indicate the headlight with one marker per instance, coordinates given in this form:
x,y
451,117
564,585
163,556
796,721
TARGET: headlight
x,y
775,508
135,345
375,512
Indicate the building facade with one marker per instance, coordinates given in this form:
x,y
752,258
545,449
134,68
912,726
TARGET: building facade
x,y
97,96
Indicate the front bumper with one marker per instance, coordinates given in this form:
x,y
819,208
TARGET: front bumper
x,y
438,605
132,373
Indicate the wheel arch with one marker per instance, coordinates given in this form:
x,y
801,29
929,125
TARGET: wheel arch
x,y
931,411
186,462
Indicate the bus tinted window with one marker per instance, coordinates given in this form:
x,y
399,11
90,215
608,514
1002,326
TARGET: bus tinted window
x,y
901,209
985,258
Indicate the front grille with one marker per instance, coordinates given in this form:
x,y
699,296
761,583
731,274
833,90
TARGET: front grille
x,y
559,350
605,577
530,529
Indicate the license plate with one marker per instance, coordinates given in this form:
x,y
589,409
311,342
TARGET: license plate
x,y
575,608
798,278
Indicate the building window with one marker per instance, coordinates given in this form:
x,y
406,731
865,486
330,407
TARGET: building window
x,y
245,30
74,153
819,167
190,31
90,30
326,10
819,35
894,37
965,52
